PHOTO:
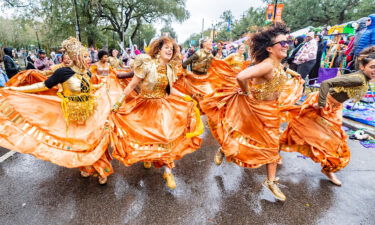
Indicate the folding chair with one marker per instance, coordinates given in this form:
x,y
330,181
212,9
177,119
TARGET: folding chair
x,y
323,74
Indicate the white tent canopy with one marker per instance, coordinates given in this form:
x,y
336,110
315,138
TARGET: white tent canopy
x,y
301,31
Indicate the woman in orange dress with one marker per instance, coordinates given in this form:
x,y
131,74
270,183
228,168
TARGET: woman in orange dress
x,y
160,125
197,81
102,68
316,130
223,73
237,60
113,60
71,129
246,122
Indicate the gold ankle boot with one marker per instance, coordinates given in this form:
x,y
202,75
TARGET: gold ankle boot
x,y
102,180
272,186
169,178
219,157
85,174
147,165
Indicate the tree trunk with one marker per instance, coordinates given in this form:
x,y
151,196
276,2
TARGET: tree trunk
x,y
91,41
139,23
341,18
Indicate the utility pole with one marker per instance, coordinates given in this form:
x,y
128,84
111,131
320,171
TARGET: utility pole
x,y
78,28
274,12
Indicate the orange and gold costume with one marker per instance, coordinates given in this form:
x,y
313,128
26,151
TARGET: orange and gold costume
x,y
317,133
154,126
236,61
70,129
102,72
36,125
247,127
196,82
115,62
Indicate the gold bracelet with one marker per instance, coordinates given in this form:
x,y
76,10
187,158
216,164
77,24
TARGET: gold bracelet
x,y
118,104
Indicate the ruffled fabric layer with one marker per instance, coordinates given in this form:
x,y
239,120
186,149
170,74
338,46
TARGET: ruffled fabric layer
x,y
317,134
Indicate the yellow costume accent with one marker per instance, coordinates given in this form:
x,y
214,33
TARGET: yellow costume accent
x,y
236,61
77,103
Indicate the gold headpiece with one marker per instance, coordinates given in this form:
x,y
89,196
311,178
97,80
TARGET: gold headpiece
x,y
72,46
76,51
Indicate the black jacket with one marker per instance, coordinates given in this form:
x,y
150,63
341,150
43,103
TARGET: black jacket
x,y
11,67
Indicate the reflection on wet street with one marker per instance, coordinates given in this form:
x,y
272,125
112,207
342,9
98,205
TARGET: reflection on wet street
x,y
37,192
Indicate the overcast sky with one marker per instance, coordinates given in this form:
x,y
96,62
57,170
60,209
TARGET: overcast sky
x,y
210,10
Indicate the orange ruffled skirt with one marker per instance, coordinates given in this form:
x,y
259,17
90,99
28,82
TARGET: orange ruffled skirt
x,y
34,124
28,77
155,130
318,134
222,74
246,128
194,85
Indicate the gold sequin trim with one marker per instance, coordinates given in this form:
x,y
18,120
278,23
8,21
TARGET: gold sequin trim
x,y
269,88
355,93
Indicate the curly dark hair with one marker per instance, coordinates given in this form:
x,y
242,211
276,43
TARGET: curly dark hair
x,y
366,56
102,53
264,38
157,44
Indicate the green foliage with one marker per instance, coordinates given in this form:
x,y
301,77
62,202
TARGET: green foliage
x,y
251,19
99,19
19,33
325,12
145,33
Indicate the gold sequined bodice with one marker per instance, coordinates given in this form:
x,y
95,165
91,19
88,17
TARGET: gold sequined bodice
x,y
76,84
77,103
355,93
270,88
158,89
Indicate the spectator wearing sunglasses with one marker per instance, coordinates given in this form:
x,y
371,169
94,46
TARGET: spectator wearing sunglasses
x,y
306,56
368,37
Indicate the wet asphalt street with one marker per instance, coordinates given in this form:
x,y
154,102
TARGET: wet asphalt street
x,y
37,192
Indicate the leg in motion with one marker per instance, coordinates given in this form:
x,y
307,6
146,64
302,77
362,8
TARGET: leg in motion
x,y
169,178
271,182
